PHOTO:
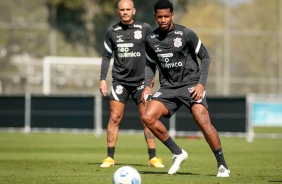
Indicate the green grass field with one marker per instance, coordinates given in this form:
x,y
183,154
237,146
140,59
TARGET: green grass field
x,y
75,158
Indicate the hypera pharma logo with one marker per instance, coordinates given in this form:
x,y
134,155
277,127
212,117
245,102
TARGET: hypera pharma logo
x,y
124,50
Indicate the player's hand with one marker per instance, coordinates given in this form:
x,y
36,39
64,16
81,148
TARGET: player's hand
x,y
103,87
145,94
197,92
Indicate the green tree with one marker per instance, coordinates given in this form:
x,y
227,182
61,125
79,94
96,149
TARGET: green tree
x,y
255,53
71,18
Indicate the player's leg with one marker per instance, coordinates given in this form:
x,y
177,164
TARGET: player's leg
x,y
117,109
150,140
153,112
119,96
202,118
148,135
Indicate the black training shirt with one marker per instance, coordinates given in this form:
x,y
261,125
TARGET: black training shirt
x,y
127,44
175,53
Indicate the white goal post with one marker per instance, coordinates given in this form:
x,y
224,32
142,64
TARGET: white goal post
x,y
48,61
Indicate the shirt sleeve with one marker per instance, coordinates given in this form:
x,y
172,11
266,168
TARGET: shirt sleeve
x,y
150,68
107,55
147,29
201,53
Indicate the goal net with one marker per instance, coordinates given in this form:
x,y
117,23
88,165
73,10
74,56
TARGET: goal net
x,y
72,75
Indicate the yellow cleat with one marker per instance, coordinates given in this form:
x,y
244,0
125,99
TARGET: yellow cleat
x,y
156,162
108,162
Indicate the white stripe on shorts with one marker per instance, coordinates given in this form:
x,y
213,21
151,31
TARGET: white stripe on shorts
x,y
114,94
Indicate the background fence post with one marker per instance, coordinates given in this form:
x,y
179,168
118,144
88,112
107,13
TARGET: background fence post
x,y
98,114
172,126
27,113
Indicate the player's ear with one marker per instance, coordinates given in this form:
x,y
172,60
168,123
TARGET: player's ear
x,y
134,11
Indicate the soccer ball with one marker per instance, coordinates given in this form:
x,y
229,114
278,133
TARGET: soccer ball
x,y
126,175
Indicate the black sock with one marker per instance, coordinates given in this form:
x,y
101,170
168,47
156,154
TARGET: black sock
x,y
111,152
220,158
152,153
174,148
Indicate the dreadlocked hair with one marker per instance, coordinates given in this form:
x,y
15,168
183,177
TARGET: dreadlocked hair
x,y
163,4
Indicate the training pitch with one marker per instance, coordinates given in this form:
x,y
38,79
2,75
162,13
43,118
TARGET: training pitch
x,y
76,158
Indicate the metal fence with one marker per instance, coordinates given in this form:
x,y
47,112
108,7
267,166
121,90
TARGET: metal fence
x,y
90,113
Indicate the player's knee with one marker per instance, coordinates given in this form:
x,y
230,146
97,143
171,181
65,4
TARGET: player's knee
x,y
115,118
147,119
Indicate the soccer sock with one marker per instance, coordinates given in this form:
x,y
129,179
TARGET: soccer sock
x,y
152,153
220,158
111,152
174,148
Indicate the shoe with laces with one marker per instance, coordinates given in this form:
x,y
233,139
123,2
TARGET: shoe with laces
x,y
156,162
108,162
223,172
176,161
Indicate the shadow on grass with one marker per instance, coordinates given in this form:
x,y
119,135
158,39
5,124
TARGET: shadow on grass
x,y
275,181
145,172
119,164
165,172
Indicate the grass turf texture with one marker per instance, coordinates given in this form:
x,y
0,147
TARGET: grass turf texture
x,y
76,158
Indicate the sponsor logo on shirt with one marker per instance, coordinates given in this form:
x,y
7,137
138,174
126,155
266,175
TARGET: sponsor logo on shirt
x,y
158,49
120,40
117,28
139,26
165,61
154,35
124,50
165,55
178,32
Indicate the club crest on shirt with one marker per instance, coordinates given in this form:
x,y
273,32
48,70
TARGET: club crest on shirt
x,y
138,34
177,42
119,89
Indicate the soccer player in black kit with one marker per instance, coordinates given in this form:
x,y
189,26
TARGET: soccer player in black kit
x,y
174,50
126,40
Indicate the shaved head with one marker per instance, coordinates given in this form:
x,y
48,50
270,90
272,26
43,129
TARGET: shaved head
x,y
130,2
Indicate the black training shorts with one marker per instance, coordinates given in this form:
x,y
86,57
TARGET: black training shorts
x,y
121,92
174,98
